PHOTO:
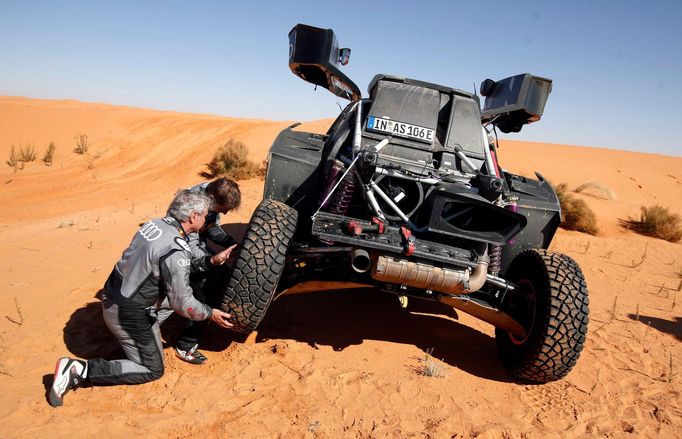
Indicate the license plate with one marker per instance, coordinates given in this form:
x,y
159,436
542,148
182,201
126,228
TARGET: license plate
x,y
400,129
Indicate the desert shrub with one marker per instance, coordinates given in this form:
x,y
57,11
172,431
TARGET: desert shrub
x,y
231,161
49,154
27,153
82,144
596,189
657,221
576,214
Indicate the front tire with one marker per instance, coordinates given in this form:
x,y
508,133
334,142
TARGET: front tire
x,y
260,264
551,303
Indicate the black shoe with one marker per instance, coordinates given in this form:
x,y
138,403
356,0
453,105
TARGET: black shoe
x,y
192,355
68,374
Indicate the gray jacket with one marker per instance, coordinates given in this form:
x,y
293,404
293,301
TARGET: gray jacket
x,y
156,266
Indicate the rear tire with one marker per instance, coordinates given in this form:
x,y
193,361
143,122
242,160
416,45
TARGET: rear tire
x,y
552,304
260,264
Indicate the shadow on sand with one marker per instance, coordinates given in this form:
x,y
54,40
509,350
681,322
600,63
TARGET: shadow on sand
x,y
666,326
343,318
334,318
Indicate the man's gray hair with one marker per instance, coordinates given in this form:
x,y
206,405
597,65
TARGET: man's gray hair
x,y
185,202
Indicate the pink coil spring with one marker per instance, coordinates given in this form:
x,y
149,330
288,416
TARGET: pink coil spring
x,y
340,202
495,260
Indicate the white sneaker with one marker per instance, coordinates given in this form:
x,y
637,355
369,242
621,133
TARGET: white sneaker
x,y
68,374
192,355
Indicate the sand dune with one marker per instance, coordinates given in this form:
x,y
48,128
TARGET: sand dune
x,y
333,364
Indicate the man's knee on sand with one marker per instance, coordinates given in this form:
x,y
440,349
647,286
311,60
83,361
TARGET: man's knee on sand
x,y
156,371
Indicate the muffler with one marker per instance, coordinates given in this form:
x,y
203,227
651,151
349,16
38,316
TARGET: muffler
x,y
427,277
360,260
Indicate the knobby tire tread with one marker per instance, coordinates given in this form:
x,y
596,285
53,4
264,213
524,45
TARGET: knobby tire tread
x,y
260,263
557,340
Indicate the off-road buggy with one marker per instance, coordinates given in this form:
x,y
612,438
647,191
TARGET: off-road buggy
x,y
404,193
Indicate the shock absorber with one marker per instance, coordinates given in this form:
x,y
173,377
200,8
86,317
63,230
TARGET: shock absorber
x,y
495,260
510,203
335,173
342,198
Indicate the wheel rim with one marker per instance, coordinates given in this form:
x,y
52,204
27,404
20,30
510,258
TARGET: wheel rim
x,y
524,310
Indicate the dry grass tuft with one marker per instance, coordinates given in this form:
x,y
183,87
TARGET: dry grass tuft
x,y
231,161
27,153
429,367
82,144
64,224
596,189
49,154
576,214
657,221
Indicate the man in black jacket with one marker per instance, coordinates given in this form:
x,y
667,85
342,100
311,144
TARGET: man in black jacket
x,y
208,274
226,197
148,284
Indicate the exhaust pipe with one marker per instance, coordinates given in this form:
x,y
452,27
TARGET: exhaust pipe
x,y
428,277
455,284
360,260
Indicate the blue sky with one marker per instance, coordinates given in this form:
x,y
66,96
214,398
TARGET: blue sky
x,y
616,65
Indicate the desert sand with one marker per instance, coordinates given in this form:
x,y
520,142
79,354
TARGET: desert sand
x,y
328,364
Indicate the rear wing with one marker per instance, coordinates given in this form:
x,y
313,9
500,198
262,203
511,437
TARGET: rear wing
x,y
314,56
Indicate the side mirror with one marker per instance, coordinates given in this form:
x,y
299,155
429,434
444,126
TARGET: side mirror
x,y
344,56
